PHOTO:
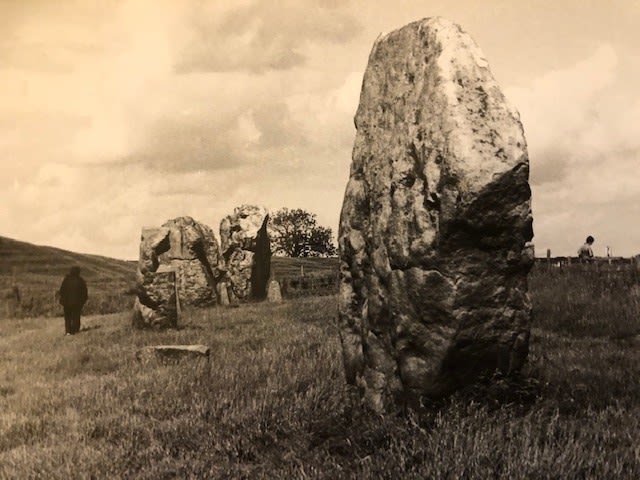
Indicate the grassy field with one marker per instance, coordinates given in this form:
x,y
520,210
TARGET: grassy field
x,y
587,300
291,267
272,401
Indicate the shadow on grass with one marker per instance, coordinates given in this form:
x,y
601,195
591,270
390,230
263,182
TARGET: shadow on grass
x,y
89,328
83,362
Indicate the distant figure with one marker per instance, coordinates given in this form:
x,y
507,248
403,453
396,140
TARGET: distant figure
x,y
73,296
585,253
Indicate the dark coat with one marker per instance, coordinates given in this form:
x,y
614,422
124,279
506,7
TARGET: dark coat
x,y
73,291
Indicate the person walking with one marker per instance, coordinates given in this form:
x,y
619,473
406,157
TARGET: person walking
x,y
73,296
585,252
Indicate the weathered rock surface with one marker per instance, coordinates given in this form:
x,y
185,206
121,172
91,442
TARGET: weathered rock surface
x,y
189,250
156,305
223,294
274,295
247,252
434,222
195,256
172,352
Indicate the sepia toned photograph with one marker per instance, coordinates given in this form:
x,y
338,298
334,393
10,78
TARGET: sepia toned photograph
x,y
319,239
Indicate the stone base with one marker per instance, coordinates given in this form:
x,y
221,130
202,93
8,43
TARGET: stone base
x,y
273,294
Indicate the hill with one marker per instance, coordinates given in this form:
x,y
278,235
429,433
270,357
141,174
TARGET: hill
x,y
38,270
26,258
19,258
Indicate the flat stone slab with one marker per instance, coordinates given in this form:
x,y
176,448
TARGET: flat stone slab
x,y
172,352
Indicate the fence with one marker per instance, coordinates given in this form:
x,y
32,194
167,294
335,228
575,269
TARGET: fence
x,y
611,263
293,286
309,285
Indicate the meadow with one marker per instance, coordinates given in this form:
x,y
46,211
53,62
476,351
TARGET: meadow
x,y
272,402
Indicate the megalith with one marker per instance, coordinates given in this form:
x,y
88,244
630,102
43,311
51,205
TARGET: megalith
x,y
182,255
195,256
223,294
156,304
247,252
434,223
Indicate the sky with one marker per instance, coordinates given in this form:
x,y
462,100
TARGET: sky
x,y
120,114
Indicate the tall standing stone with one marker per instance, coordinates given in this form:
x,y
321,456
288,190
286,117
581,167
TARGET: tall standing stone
x,y
434,223
246,249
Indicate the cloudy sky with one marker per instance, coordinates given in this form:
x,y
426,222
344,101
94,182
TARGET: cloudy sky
x,y
119,114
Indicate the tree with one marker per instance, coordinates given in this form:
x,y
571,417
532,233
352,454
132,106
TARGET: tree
x,y
295,233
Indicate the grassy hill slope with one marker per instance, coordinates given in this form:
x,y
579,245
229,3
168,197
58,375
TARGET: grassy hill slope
x,y
26,258
291,267
38,270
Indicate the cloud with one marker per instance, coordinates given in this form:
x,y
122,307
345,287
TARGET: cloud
x,y
189,144
108,137
139,114
261,35
264,133
51,37
559,109
277,128
583,147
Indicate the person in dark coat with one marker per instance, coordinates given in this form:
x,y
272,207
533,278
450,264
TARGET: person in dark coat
x,y
73,296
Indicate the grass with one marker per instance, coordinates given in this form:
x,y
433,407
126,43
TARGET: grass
x,y
587,300
272,401
293,267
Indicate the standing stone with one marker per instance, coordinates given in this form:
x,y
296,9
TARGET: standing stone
x,y
239,270
223,294
273,294
180,264
156,304
195,256
435,219
247,252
